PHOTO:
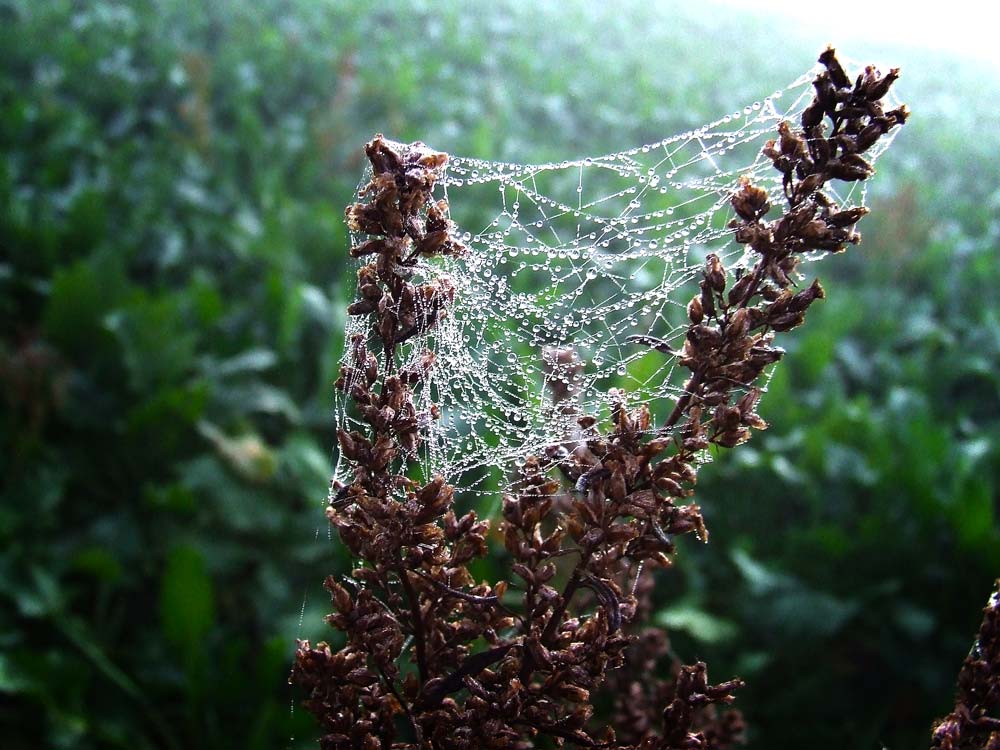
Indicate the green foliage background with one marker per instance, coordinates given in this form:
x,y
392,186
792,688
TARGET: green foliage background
x,y
172,285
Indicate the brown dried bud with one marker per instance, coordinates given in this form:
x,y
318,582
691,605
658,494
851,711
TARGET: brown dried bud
x,y
786,321
821,150
429,492
762,356
369,247
740,289
715,273
431,159
881,86
616,487
726,417
732,438
347,445
339,595
869,136
538,653
695,311
747,406
749,201
826,92
847,217
370,291
837,75
704,337
801,301
361,307
814,230
382,156
809,185
524,571
792,222
899,115
573,693
812,115
748,401
850,168
739,324
771,152
670,486
791,144
382,453
707,299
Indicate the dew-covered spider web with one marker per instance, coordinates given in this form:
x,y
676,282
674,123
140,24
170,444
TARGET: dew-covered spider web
x,y
565,262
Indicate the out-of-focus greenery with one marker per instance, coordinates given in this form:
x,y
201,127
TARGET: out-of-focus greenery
x,y
172,281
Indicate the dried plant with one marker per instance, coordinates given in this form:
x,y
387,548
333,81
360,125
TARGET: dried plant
x,y
433,658
970,726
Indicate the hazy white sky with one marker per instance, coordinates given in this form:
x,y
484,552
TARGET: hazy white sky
x,y
969,27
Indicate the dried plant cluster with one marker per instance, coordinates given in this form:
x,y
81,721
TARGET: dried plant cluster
x,y
970,725
431,657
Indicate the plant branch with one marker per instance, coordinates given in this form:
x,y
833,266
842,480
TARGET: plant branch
x,y
417,621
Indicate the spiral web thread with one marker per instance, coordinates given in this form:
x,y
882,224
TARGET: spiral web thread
x,y
565,261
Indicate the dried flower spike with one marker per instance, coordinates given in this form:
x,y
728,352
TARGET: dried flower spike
x,y
433,658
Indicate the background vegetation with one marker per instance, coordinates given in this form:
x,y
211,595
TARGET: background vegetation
x,y
172,284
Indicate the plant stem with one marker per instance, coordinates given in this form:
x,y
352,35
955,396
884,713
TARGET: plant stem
x,y
418,622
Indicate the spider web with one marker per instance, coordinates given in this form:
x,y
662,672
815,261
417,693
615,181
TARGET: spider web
x,y
565,261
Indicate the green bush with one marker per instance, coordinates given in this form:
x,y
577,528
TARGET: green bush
x,y
172,276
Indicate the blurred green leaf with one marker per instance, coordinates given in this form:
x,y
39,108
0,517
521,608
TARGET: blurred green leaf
x,y
918,623
247,455
38,595
98,562
699,624
157,343
307,464
253,360
80,296
10,679
761,580
784,599
187,601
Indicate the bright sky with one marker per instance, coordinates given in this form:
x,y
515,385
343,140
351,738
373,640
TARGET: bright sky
x,y
970,27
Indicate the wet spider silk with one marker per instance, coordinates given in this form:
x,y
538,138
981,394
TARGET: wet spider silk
x,y
567,263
